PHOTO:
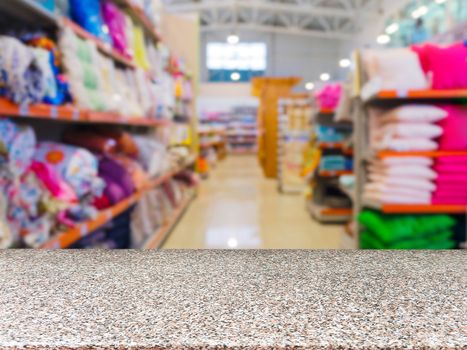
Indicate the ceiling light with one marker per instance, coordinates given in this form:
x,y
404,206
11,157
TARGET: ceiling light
x,y
232,242
392,28
440,1
344,63
235,76
325,77
422,10
309,86
383,39
233,39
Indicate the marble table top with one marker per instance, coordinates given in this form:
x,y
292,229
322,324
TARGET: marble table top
x,y
233,299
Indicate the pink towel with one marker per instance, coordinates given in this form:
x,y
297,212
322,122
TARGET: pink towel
x,y
451,160
450,168
454,137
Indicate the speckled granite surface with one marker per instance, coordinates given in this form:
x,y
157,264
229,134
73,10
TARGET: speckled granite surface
x,y
233,299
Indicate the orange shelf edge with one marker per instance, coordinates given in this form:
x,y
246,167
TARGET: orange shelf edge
x,y
422,94
431,154
155,241
67,238
72,113
336,212
335,145
423,209
335,173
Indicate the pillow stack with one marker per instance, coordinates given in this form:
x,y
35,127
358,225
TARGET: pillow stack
x,y
406,128
401,180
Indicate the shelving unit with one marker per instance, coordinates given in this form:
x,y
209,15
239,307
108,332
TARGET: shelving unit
x,y
70,113
66,239
294,133
162,233
34,14
389,99
325,183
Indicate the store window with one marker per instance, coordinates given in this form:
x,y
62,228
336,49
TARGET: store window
x,y
235,63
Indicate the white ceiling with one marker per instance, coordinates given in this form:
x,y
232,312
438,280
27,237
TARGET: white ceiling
x,y
333,19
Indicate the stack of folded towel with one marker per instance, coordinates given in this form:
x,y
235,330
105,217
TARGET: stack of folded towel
x,y
401,180
406,128
406,231
451,182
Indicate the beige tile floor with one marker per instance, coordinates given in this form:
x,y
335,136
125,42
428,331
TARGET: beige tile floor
x,y
238,208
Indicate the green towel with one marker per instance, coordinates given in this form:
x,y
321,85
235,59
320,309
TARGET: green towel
x,y
396,228
368,240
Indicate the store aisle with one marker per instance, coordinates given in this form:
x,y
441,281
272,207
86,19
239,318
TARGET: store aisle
x,y
238,208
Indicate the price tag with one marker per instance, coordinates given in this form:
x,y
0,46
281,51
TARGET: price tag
x,y
75,115
54,112
24,110
83,230
402,93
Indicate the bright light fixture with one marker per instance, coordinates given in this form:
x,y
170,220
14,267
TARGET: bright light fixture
x,y
440,1
419,12
235,76
325,77
309,86
233,39
392,28
232,242
344,63
383,39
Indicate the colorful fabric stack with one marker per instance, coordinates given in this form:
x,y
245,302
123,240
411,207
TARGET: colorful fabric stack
x,y
117,153
21,77
406,231
48,186
406,128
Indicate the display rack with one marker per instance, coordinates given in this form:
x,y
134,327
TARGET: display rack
x,y
66,239
162,233
34,14
390,99
70,113
325,183
294,114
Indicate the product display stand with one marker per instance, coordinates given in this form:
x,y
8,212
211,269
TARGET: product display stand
x,y
329,203
390,99
242,130
269,91
294,116
155,122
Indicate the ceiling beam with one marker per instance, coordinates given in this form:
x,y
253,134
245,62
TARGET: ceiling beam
x,y
304,9
281,30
